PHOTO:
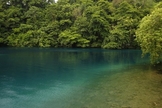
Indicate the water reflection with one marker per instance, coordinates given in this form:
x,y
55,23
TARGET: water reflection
x,y
33,77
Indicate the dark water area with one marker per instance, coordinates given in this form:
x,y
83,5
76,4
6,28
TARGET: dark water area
x,y
77,78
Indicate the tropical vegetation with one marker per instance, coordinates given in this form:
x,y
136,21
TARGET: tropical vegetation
x,y
111,24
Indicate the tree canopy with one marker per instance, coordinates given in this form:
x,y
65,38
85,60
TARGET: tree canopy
x,y
72,23
149,34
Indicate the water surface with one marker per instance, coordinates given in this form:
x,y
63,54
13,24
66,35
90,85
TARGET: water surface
x,y
77,78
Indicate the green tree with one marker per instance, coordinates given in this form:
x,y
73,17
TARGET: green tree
x,y
93,23
98,20
70,38
2,24
35,16
10,18
124,22
149,34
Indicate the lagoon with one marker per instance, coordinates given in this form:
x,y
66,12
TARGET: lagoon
x,y
77,78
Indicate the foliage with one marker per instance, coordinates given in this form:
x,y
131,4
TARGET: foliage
x,y
70,38
71,23
123,25
149,34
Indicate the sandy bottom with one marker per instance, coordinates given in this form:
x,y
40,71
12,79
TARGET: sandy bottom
x,y
134,87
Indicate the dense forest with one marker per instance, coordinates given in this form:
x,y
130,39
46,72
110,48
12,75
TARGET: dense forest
x,y
111,24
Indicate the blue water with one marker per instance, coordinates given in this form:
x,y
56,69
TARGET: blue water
x,y
53,78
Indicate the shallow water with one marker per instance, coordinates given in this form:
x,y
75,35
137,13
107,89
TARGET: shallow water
x,y
77,78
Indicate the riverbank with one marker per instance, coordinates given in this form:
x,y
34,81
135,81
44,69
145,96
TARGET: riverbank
x,y
135,87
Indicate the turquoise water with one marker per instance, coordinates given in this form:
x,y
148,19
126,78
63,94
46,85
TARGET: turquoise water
x,y
66,78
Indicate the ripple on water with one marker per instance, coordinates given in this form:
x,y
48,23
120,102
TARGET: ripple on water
x,y
6,102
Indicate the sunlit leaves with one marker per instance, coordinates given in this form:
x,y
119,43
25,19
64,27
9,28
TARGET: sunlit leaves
x,y
98,24
34,16
149,35
31,38
124,23
71,23
70,38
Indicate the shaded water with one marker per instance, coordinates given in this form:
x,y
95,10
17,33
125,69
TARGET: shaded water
x,y
77,78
